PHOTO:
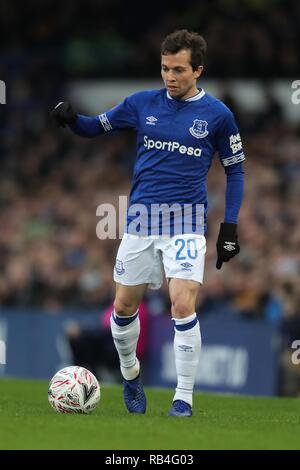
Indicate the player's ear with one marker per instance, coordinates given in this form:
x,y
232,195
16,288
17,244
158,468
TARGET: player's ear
x,y
198,71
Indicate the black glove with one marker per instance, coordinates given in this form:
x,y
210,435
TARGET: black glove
x,y
63,114
227,244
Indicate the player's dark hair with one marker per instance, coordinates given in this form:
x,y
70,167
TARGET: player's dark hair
x,y
184,39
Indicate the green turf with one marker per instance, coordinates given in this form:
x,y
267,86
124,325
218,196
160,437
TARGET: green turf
x,y
220,422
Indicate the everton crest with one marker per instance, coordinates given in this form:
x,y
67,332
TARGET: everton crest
x,y
199,129
119,267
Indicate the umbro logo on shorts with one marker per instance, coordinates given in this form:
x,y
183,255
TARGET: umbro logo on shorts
x,y
186,266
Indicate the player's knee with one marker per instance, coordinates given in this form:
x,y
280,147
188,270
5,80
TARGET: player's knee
x,y
124,306
182,308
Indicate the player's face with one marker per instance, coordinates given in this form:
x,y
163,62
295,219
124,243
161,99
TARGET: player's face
x,y
178,75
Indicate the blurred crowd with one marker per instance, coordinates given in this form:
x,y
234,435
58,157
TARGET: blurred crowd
x,y
248,38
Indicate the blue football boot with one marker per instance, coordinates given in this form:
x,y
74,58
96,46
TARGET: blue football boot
x,y
180,408
134,396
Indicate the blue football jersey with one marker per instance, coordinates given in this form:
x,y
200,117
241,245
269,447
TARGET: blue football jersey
x,y
176,142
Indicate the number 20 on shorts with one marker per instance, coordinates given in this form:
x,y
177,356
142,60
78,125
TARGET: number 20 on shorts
x,y
187,246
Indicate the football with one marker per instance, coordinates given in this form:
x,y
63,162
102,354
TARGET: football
x,y
74,389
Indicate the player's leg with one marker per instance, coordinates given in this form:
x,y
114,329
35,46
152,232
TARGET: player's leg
x,y
187,341
125,327
134,271
183,259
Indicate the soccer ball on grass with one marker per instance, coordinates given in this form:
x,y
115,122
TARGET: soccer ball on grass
x,y
74,389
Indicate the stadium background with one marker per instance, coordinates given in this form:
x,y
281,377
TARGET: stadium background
x,y
55,271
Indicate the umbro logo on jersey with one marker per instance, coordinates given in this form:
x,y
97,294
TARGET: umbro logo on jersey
x,y
229,246
151,120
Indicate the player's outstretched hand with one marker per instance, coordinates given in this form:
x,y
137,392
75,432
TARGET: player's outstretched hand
x,y
227,244
63,114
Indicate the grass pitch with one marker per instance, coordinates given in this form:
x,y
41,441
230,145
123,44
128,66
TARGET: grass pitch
x,y
220,422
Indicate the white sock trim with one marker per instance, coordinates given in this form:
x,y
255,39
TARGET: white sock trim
x,y
183,321
125,316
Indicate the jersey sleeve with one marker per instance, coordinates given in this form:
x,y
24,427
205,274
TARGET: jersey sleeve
x,y
122,116
228,141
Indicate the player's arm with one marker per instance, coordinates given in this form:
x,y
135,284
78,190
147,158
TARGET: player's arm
x,y
231,156
120,117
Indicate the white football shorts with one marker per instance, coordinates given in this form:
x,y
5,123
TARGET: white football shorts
x,y
140,260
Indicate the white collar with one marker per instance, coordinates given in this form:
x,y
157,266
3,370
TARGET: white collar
x,y
193,98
